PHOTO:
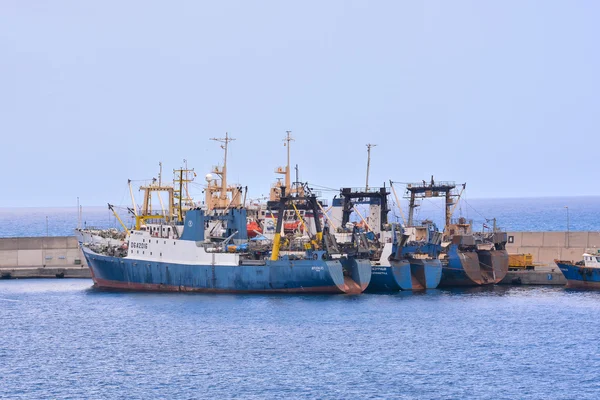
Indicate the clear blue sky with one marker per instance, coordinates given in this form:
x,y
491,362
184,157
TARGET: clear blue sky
x,y
503,95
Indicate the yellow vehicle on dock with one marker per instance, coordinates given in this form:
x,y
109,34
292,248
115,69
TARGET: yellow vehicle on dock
x,y
520,262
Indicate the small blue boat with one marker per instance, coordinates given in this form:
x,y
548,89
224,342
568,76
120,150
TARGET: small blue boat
x,y
584,274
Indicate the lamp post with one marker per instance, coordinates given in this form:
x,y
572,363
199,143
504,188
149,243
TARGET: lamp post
x,y
567,208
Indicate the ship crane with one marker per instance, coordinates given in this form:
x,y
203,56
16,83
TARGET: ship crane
x,y
112,208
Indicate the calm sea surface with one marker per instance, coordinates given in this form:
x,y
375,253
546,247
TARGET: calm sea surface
x,y
63,340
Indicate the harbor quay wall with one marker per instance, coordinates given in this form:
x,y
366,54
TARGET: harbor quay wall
x,y
545,247
40,252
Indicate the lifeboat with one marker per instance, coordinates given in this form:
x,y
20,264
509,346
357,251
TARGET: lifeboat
x,y
253,229
290,227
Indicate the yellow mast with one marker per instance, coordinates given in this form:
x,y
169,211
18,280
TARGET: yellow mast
x,y
146,212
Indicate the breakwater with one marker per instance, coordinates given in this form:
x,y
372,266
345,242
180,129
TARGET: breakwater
x,y
42,257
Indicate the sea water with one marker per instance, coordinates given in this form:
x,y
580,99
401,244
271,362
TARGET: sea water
x,y
64,339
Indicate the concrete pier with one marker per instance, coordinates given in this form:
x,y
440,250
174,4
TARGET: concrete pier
x,y
548,246
42,257
540,276
24,273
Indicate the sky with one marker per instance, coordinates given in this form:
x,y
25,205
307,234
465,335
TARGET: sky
x,y
502,95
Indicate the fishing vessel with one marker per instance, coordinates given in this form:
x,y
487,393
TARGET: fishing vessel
x,y
207,250
491,251
420,247
370,238
467,259
584,274
401,258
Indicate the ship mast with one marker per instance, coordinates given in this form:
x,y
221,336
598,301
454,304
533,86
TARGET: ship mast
x,y
288,139
217,192
276,190
225,141
159,173
369,145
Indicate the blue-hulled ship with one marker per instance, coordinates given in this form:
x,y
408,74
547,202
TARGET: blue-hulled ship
x,y
467,259
393,266
420,248
207,250
473,259
584,274
370,238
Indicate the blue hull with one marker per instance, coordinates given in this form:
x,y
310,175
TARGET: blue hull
x,y
579,276
426,274
462,268
389,278
292,276
406,275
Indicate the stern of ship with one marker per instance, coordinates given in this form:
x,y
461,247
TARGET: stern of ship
x,y
390,278
426,273
462,268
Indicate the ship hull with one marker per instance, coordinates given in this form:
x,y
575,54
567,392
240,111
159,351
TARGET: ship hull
x,y
580,277
285,276
415,274
425,273
462,268
390,278
494,264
